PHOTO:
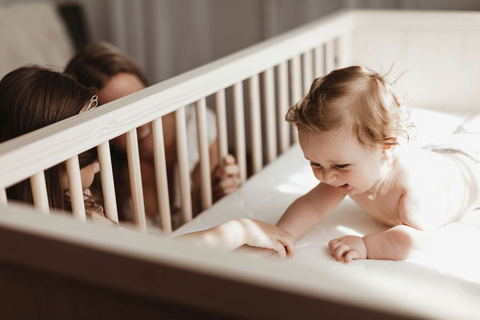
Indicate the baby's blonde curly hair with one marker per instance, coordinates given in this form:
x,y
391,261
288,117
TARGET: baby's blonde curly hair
x,y
357,97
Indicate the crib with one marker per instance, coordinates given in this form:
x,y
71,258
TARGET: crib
x,y
58,266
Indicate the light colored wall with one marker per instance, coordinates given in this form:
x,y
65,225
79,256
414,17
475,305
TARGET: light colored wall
x,y
169,37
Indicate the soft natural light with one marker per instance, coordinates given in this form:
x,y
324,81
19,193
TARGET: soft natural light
x,y
349,231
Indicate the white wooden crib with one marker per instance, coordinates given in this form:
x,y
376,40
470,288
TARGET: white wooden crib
x,y
57,267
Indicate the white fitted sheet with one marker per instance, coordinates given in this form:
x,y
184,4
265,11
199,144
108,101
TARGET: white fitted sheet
x,y
450,265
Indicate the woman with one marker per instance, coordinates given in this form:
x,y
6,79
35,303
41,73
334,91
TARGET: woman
x,y
106,68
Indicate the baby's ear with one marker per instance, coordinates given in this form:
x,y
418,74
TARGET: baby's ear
x,y
388,148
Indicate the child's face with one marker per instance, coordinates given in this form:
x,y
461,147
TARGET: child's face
x,y
87,174
337,158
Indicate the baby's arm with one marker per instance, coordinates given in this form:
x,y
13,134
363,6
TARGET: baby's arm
x,y
233,234
398,243
308,210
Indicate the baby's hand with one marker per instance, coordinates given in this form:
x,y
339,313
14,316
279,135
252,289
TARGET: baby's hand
x,y
256,251
264,235
348,247
225,177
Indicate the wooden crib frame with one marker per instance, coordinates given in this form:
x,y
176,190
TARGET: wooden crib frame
x,y
138,274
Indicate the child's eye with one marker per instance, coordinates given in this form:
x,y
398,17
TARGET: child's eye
x,y
315,165
341,166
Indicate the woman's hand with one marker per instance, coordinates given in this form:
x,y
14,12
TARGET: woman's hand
x,y
348,248
225,177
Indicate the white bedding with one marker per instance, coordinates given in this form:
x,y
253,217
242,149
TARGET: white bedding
x,y
451,264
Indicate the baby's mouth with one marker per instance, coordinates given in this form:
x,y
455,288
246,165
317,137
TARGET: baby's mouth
x,y
344,186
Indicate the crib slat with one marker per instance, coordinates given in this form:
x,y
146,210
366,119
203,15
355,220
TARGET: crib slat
x,y
3,196
161,176
206,189
136,180
75,188
330,56
255,123
269,87
239,117
283,126
319,60
307,71
344,50
222,135
108,187
295,85
183,168
39,192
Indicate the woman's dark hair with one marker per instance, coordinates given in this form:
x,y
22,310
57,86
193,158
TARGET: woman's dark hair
x,y
95,64
31,98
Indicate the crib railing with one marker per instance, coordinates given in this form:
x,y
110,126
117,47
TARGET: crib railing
x,y
297,57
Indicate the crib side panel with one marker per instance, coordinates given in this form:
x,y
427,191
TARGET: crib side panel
x,y
101,274
437,53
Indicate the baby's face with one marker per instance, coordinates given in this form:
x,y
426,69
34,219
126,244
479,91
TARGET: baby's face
x,y
337,158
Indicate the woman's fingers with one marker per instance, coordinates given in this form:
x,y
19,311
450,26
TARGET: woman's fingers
x,y
229,159
229,170
228,183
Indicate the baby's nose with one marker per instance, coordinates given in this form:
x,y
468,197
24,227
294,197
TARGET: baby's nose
x,y
330,177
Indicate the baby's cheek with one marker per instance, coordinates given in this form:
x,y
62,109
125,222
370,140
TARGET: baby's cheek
x,y
317,174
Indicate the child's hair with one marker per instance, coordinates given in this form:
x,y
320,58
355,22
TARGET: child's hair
x,y
355,96
33,97
95,64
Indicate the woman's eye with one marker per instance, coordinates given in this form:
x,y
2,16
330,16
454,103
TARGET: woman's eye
x,y
315,165
341,166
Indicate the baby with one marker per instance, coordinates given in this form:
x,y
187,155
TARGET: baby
x,y
350,128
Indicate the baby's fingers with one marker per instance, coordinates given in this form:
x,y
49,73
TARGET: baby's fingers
x,y
351,255
340,250
333,245
289,245
279,247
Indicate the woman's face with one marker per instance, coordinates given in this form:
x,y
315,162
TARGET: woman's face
x,y
117,87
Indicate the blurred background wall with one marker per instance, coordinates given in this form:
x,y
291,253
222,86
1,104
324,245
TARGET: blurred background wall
x,y
169,37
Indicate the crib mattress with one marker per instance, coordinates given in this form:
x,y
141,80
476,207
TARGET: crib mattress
x,y
451,265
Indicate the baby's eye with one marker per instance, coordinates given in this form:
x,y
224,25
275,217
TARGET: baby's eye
x,y
315,165
341,166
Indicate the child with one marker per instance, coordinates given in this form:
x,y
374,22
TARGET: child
x,y
34,97
350,127
105,67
